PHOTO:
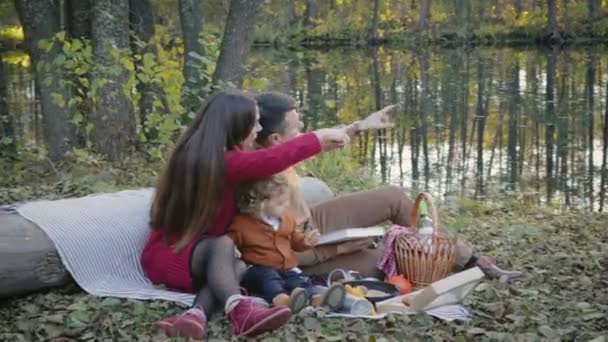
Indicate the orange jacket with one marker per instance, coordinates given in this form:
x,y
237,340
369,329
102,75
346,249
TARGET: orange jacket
x,y
261,245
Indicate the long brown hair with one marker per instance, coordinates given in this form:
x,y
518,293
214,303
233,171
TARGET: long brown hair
x,y
189,192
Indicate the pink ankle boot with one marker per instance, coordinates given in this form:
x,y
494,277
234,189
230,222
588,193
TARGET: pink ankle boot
x,y
191,324
249,317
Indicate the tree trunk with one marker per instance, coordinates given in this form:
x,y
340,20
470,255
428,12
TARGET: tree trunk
x,y
604,174
425,108
518,8
563,109
376,82
40,21
415,154
311,14
553,34
425,15
292,81
238,36
593,9
7,125
379,136
79,13
113,121
315,78
513,123
481,125
400,8
291,11
373,33
152,96
590,99
550,122
191,19
452,109
464,120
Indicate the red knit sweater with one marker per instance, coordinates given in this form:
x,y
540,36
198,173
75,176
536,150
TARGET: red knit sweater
x,y
160,262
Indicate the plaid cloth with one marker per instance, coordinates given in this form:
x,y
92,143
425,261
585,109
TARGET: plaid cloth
x,y
388,262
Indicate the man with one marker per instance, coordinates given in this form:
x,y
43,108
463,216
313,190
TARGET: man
x,y
280,121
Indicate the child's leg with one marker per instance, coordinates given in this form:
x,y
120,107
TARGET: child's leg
x,y
267,283
205,259
213,266
294,280
215,270
222,275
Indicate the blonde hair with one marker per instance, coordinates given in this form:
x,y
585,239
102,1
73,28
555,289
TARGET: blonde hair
x,y
252,196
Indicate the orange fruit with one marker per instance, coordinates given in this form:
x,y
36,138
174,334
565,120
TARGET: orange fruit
x,y
401,283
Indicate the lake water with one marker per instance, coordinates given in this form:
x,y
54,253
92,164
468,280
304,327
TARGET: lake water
x,y
477,122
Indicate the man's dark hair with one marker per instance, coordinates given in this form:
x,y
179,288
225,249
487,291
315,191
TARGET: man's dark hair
x,y
272,106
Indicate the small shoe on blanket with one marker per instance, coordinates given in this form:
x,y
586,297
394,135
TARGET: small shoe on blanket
x,y
190,324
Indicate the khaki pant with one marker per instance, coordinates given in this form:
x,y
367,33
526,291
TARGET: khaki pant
x,y
362,209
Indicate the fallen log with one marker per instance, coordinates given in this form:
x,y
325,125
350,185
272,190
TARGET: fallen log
x,y
29,260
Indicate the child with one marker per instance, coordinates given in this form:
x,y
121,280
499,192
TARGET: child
x,y
266,236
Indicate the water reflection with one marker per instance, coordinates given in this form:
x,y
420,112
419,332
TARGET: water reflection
x,y
472,122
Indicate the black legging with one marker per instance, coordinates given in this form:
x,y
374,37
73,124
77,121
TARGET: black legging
x,y
215,273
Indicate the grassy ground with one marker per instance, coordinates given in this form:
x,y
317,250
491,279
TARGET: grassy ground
x,y
564,296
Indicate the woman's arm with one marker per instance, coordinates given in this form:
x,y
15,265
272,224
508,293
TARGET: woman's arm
x,y
249,165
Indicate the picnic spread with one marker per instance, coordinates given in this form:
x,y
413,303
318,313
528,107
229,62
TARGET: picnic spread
x,y
100,237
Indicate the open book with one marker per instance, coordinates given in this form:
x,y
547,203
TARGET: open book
x,y
350,234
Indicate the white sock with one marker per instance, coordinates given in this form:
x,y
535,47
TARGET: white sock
x,y
197,311
231,302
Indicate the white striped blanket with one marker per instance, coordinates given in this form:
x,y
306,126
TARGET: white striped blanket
x,y
100,238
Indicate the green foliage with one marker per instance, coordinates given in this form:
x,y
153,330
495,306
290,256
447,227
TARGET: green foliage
x,y
84,173
11,34
167,117
486,22
192,99
30,175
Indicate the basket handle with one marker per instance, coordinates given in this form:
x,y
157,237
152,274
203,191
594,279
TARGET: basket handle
x,y
430,207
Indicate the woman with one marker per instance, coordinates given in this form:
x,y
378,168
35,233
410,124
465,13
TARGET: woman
x,y
280,122
194,203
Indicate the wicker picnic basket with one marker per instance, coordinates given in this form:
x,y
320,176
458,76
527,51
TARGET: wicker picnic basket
x,y
424,261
